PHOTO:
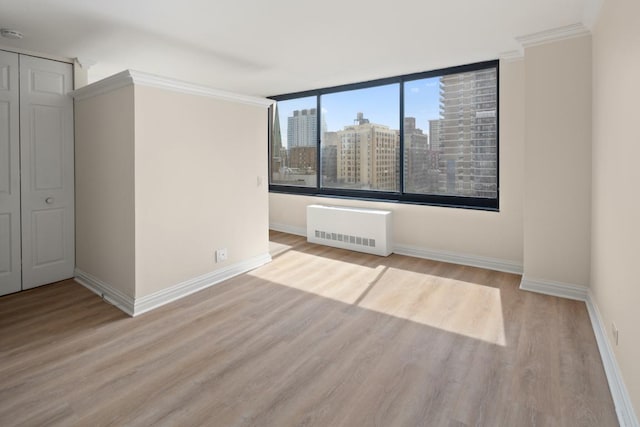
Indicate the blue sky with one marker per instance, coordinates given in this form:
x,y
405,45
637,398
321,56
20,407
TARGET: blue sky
x,y
379,105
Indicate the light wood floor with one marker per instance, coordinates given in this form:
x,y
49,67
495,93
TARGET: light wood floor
x,y
318,337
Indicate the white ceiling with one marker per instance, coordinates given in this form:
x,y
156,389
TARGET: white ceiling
x,y
262,47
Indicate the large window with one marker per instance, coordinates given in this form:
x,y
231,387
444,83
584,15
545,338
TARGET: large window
x,y
429,138
295,143
365,149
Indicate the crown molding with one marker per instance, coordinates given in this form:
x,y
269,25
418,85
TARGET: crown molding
x,y
553,35
131,77
109,84
512,55
151,80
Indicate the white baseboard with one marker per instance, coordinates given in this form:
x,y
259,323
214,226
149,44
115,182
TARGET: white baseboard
x,y
105,291
619,393
435,255
180,290
298,231
137,306
556,289
462,259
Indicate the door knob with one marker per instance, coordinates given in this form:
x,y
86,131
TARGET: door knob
x,y
48,200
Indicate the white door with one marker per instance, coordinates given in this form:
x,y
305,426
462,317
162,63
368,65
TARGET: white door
x,y
10,279
46,159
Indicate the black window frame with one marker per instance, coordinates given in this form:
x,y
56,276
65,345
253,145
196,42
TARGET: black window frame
x,y
465,202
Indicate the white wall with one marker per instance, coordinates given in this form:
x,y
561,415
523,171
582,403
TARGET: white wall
x,y
494,235
558,161
197,165
104,145
615,283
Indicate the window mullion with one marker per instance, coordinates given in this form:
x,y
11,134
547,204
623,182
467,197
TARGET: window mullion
x,y
318,144
401,147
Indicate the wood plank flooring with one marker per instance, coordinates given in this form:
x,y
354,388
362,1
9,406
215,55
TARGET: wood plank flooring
x,y
318,337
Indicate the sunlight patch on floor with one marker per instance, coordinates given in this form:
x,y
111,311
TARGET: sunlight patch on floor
x,y
453,305
338,280
457,306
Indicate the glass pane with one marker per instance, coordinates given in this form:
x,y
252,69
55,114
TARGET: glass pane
x,y
361,139
294,142
450,135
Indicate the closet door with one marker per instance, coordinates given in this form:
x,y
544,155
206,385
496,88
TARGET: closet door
x,y
47,194
9,175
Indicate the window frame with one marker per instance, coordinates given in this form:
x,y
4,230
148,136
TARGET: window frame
x,y
465,202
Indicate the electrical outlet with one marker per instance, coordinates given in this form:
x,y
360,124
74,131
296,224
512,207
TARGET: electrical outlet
x,y
615,333
221,255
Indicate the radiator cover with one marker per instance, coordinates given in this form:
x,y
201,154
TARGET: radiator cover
x,y
358,229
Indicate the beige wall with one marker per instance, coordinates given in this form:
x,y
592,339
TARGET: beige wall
x,y
104,146
163,179
80,75
616,175
198,160
558,161
496,235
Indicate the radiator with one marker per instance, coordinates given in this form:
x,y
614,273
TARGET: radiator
x,y
358,229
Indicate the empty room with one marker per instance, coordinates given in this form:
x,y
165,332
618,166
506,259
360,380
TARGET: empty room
x,y
411,213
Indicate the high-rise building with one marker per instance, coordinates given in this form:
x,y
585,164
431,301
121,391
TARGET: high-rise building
x,y
420,166
467,134
329,158
368,156
434,134
302,128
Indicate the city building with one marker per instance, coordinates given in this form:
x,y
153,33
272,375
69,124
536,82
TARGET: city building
x,y
466,134
278,152
368,156
329,158
434,134
420,162
303,159
301,128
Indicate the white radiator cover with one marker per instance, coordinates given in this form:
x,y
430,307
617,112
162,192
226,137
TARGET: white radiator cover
x,y
358,229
